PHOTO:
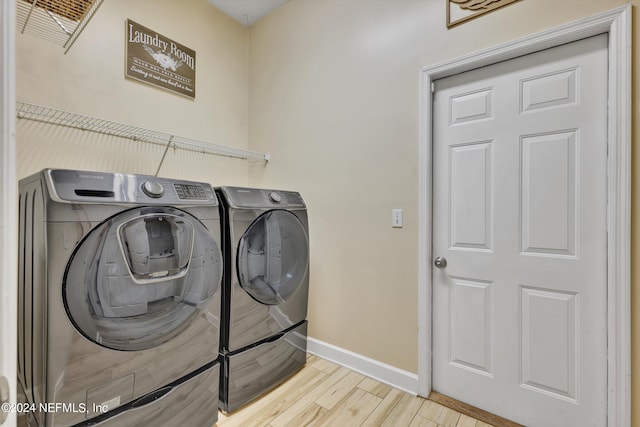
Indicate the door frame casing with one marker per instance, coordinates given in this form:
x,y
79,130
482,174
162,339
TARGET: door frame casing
x,y
9,205
617,24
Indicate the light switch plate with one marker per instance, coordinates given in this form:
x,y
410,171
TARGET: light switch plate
x,y
396,218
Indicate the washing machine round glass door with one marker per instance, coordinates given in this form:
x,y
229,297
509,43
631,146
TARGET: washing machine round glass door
x,y
273,257
139,278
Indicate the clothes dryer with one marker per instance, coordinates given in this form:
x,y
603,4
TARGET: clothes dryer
x,y
119,301
265,291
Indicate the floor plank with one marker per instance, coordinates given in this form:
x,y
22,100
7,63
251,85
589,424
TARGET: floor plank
x,y
404,412
309,416
352,410
441,415
285,397
272,403
326,394
375,387
419,421
467,421
322,364
383,410
472,411
341,389
301,405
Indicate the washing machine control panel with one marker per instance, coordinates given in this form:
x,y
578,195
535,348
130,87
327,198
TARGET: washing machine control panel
x,y
100,187
190,192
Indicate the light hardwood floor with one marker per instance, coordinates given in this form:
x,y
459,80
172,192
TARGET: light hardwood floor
x,y
326,394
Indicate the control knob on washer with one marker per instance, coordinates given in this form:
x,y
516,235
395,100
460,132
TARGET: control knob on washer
x,y
152,189
275,197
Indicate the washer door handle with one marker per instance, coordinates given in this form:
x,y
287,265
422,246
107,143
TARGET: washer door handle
x,y
440,262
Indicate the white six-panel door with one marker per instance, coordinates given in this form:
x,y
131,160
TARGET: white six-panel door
x,y
519,214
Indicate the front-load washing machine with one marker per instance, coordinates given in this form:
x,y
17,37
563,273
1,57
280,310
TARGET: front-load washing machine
x,y
265,291
119,300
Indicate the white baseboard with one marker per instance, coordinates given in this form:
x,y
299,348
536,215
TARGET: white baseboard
x,y
387,374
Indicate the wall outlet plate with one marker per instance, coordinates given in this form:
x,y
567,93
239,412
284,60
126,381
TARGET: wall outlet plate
x,y
396,218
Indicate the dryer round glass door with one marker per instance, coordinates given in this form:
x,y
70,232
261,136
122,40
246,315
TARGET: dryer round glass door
x,y
273,257
139,278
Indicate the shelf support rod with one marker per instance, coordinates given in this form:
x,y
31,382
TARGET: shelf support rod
x,y
164,154
81,25
57,21
26,21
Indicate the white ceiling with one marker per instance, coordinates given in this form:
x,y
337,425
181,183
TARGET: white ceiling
x,y
246,12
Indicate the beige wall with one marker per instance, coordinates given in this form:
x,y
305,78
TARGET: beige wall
x,y
334,98
89,80
331,90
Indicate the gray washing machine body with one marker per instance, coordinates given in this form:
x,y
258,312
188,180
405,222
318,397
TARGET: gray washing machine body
x,y
265,292
119,295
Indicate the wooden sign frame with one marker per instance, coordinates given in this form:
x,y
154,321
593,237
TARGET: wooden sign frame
x,y
459,11
159,61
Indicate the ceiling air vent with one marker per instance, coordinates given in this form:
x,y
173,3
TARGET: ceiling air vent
x,y
58,21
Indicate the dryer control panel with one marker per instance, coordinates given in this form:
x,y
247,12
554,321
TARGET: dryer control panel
x,y
101,187
241,197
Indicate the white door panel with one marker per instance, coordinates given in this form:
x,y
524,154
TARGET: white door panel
x,y
519,312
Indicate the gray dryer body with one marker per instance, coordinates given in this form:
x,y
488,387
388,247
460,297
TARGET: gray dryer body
x,y
265,291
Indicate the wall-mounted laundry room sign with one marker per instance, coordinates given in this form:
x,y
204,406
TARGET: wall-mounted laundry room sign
x,y
459,11
157,60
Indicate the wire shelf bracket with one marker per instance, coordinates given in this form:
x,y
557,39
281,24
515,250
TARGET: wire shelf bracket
x,y
53,116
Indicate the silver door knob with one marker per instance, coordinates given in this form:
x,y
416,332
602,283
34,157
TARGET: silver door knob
x,y
440,262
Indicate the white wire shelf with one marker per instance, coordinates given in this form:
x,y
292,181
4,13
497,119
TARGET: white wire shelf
x,y
77,121
58,21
